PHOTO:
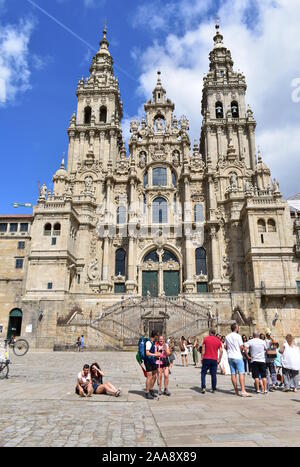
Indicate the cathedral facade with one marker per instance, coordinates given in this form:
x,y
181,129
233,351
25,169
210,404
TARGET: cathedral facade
x,y
173,235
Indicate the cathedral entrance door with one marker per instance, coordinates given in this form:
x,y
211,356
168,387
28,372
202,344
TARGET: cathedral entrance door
x,y
150,283
171,283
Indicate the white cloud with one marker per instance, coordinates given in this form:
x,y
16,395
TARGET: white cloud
x,y
263,37
14,60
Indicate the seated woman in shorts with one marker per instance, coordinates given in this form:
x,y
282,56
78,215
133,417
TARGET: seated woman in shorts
x,y
97,381
84,383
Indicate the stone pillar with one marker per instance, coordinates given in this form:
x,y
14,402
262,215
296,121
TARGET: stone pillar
x,y
105,264
212,196
81,149
71,167
92,140
252,147
101,145
215,258
219,145
241,145
189,283
113,146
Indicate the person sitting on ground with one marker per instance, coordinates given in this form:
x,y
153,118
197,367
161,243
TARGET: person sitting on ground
x,y
162,364
258,349
150,364
97,381
84,382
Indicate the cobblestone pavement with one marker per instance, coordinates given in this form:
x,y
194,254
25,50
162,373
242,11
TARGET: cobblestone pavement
x,y
38,407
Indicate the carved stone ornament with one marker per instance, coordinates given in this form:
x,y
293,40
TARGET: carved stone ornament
x,y
158,154
93,271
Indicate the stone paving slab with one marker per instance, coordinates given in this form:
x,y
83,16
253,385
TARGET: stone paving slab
x,y
39,408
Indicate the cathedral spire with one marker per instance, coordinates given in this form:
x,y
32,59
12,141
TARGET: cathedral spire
x,y
218,39
104,44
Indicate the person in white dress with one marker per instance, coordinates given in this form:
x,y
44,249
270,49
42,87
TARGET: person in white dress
x,y
224,365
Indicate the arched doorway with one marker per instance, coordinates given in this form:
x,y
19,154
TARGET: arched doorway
x,y
15,323
161,274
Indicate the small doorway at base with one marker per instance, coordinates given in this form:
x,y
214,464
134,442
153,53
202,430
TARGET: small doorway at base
x,y
15,323
157,325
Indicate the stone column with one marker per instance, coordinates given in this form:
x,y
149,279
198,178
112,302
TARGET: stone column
x,y
252,146
81,149
212,195
92,140
101,145
241,145
105,264
113,146
71,167
219,145
215,258
189,249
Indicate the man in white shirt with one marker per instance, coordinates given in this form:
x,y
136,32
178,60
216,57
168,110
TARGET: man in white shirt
x,y
234,345
258,348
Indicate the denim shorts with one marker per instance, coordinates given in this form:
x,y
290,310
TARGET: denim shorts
x,y
236,366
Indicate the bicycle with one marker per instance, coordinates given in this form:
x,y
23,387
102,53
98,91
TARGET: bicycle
x,y
4,361
20,346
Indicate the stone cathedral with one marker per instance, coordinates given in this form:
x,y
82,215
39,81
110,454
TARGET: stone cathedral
x,y
171,235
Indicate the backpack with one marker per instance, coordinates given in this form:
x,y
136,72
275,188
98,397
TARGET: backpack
x,y
142,348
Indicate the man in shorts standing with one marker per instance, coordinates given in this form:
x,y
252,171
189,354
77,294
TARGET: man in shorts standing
x,y
150,364
258,349
234,345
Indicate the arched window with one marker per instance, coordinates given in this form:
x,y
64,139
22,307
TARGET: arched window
x,y
120,262
271,225
201,267
57,230
198,213
121,215
159,176
152,256
234,109
103,114
47,229
261,225
159,211
219,110
169,256
87,115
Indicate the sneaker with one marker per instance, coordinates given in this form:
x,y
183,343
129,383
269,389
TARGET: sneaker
x,y
203,391
167,392
153,394
159,392
118,393
149,396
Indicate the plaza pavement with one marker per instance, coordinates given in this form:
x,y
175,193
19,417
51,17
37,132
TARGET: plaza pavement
x,y
38,407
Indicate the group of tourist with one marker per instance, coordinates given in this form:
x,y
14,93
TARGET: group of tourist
x,y
90,381
272,367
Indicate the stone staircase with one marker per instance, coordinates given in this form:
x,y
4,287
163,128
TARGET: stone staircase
x,y
122,324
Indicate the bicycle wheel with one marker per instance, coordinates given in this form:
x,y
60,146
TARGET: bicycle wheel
x,y
21,347
4,369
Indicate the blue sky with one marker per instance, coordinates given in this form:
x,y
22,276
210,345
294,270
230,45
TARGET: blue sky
x,y
41,62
